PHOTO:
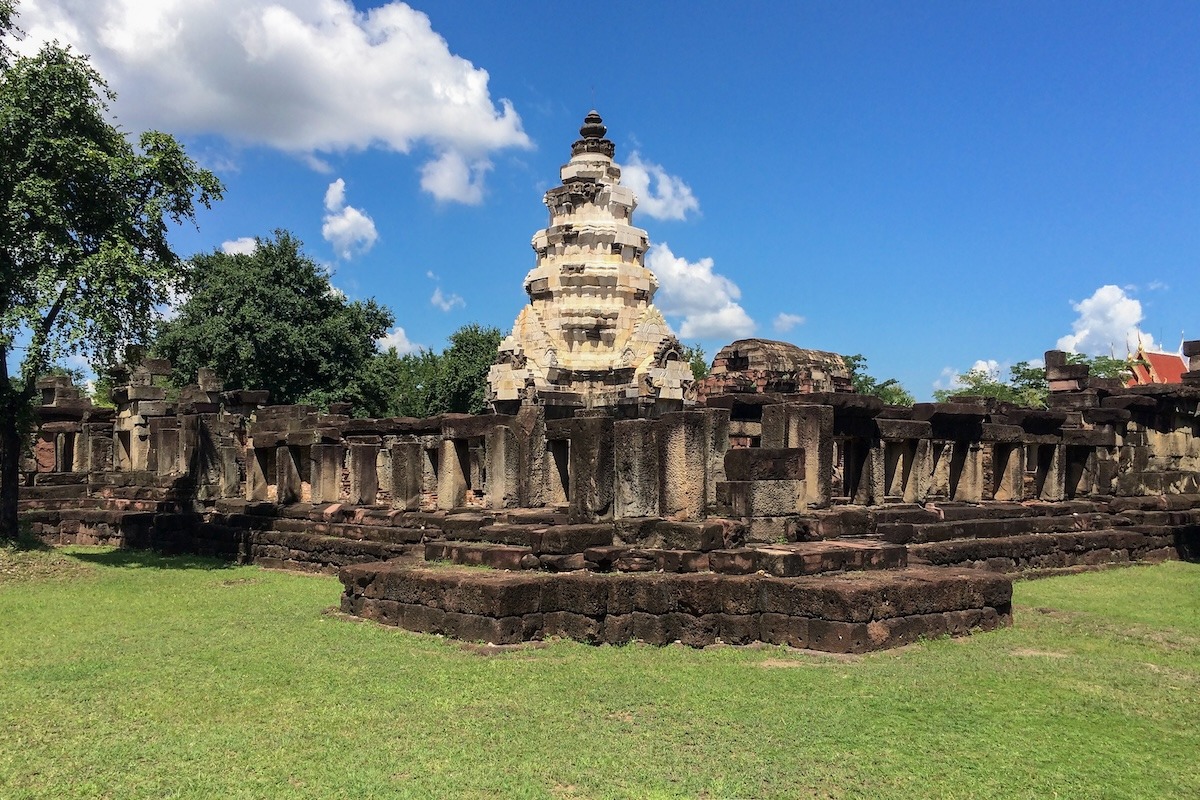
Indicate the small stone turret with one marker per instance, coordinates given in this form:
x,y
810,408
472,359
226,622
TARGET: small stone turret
x,y
590,336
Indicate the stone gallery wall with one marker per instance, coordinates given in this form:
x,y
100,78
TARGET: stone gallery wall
x,y
690,525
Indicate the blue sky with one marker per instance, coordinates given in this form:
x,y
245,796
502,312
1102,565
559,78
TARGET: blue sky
x,y
933,185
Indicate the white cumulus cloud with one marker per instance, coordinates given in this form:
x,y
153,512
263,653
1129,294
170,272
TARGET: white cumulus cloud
x,y
1107,321
348,229
244,246
668,198
989,367
398,339
450,177
705,300
446,302
302,76
784,322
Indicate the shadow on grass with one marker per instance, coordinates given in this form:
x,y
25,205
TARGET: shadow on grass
x,y
148,559
25,541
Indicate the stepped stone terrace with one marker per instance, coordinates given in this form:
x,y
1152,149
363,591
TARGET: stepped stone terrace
x,y
812,519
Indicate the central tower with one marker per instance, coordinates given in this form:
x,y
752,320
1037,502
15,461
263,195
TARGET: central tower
x,y
590,336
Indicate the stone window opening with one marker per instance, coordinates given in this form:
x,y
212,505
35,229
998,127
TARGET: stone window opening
x,y
899,458
1040,462
124,455
559,472
1080,472
1006,464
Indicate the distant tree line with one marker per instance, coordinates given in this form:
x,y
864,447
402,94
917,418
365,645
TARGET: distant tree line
x,y
1026,384
271,320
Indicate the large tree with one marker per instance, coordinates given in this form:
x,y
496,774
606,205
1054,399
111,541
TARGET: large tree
x,y
889,391
84,256
463,368
271,320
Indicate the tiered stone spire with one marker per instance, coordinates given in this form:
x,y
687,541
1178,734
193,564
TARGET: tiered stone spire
x,y
590,336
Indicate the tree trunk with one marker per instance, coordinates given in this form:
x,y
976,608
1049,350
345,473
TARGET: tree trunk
x,y
10,468
14,419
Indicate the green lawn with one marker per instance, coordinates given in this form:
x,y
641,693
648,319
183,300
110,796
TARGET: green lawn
x,y
123,674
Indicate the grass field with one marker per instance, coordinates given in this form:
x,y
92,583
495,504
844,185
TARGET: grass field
x,y
125,675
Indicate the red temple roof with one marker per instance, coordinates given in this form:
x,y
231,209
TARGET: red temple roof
x,y
1148,367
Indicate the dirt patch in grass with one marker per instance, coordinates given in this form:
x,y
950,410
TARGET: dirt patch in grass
x,y
1029,653
810,658
21,565
241,582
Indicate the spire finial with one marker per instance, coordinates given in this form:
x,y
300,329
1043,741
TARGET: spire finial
x,y
593,126
591,137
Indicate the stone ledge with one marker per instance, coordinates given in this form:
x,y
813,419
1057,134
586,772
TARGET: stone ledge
x,y
840,613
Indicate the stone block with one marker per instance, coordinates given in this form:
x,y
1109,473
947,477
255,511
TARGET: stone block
x,y
683,460
784,629
739,561
810,428
564,539
763,463
637,468
762,498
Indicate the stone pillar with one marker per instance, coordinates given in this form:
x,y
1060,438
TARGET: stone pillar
x,y
257,465
406,475
683,460
99,438
164,450
287,476
364,473
592,467
452,474
231,479
326,472
717,432
635,458
873,488
189,443
503,468
1191,350
531,423
811,428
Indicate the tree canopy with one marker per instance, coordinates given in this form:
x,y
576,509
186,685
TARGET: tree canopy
x,y
1026,384
463,368
694,355
272,320
84,256
889,391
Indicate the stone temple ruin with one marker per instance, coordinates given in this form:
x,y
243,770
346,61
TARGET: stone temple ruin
x,y
590,337
607,506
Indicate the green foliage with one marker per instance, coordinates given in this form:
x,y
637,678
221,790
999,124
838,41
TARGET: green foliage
x,y
1103,366
890,390
1023,386
425,383
74,373
1026,384
271,320
83,249
411,381
84,256
463,368
693,354
7,26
